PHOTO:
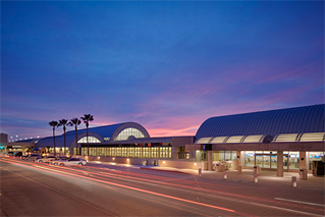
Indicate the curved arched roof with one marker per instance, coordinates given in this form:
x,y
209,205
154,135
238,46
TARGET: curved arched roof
x,y
292,120
102,131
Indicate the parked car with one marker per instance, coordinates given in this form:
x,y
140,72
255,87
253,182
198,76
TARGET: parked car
x,y
50,160
10,153
33,157
54,162
24,157
45,159
71,161
18,154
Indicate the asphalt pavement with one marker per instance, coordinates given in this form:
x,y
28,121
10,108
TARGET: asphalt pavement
x,y
310,190
125,190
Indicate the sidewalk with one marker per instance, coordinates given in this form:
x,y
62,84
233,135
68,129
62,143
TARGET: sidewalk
x,y
269,185
246,176
310,190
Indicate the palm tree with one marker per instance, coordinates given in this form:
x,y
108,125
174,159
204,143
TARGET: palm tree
x,y
86,119
75,122
54,124
63,122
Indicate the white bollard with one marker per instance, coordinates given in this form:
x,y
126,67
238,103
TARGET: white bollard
x,y
294,181
225,174
255,178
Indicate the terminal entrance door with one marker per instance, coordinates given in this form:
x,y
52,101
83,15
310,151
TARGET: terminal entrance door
x,y
269,161
286,162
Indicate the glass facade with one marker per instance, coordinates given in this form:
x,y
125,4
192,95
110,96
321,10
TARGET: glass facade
x,y
314,156
60,151
292,161
91,139
268,160
135,152
126,133
224,155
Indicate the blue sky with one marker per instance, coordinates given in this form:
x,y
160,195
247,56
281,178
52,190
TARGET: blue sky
x,y
166,65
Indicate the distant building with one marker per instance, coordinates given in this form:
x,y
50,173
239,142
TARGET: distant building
x,y
3,142
3,138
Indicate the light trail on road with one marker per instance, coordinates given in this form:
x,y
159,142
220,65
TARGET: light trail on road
x,y
105,178
139,190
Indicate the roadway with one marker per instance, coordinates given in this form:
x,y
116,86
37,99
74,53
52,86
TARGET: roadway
x,y
35,189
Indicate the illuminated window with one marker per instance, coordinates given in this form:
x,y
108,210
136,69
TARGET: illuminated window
x,y
118,152
253,139
218,139
138,152
203,140
286,138
234,139
131,152
91,139
311,137
126,133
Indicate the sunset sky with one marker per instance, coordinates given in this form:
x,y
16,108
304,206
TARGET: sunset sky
x,y
165,65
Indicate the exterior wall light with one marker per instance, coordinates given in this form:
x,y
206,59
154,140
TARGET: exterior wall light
x,y
194,164
164,162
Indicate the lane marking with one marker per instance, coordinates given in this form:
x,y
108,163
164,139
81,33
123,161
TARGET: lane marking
x,y
297,201
285,209
63,194
185,200
193,202
129,187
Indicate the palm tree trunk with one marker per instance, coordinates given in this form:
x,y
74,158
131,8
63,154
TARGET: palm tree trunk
x,y
54,141
77,150
64,140
87,139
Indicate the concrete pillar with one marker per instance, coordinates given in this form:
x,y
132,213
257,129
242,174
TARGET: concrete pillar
x,y
302,160
174,153
279,164
238,158
210,161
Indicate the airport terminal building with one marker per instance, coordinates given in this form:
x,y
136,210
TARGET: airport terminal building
x,y
280,140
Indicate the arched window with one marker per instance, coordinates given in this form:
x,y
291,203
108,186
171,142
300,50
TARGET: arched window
x,y
91,139
126,133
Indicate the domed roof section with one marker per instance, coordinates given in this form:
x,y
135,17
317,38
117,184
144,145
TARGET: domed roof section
x,y
102,132
291,120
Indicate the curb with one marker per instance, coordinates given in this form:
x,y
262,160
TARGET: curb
x,y
172,171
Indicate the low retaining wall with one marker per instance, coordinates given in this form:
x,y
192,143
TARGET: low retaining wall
x,y
179,164
122,160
